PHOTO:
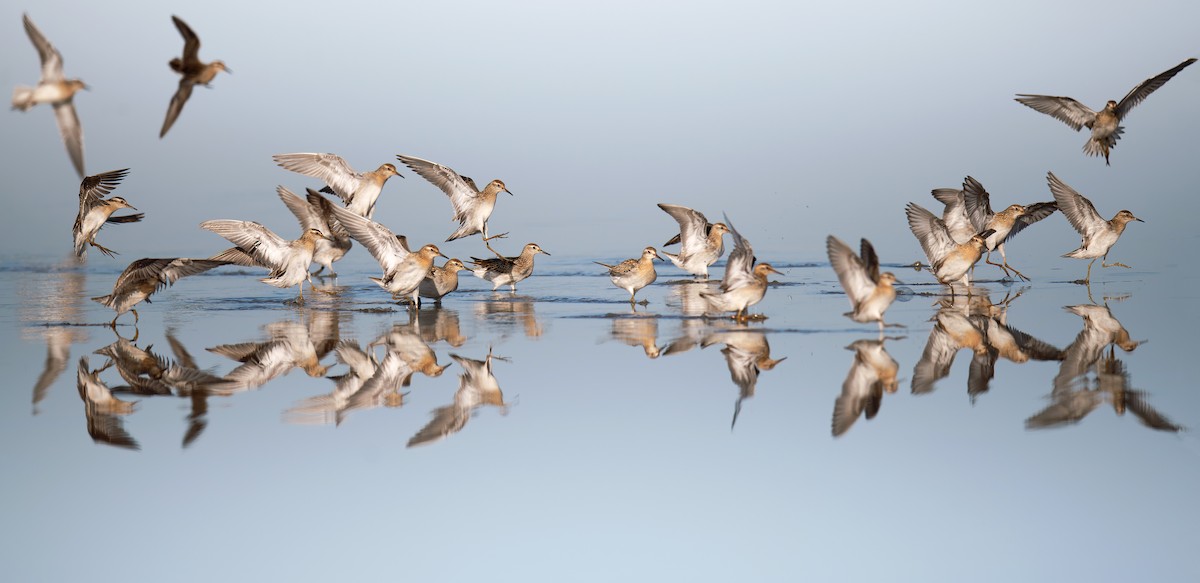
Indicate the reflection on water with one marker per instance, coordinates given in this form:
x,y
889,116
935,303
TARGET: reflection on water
x,y
375,376
872,372
634,329
508,311
290,344
438,324
103,410
1091,374
54,305
406,342
747,353
1001,341
972,321
476,387
685,297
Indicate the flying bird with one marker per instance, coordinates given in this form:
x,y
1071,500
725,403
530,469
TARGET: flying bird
x,y
95,210
1105,124
472,206
56,90
359,190
192,72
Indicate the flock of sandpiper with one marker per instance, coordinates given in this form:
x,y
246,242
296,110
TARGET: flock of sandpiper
x,y
953,243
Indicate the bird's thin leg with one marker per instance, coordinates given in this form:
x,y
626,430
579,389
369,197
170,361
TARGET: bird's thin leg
x,y
1088,278
489,246
317,273
989,261
1004,258
103,249
1117,264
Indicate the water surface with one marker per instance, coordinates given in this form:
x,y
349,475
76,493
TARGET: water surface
x,y
608,441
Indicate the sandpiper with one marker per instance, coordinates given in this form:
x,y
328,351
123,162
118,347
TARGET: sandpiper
x,y
56,90
402,270
507,270
359,190
1099,235
146,276
441,281
472,206
634,274
1005,224
954,215
950,261
744,283
870,292
1105,124
95,211
700,242
192,70
316,212
257,246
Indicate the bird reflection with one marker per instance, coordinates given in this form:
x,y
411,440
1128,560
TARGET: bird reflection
x,y
405,341
331,408
440,324
141,369
634,329
952,331
973,321
189,381
103,410
747,353
872,372
685,296
290,344
1075,393
53,304
476,387
506,311
1001,341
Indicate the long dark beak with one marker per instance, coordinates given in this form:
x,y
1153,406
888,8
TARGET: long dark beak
x,y
511,194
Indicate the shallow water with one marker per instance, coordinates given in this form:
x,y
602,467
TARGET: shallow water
x,y
644,443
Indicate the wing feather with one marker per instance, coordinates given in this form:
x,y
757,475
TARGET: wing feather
x,y
461,190
385,246
1064,109
1078,210
254,239
331,168
1145,88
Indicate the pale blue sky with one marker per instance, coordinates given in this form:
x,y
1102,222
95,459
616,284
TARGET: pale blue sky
x,y
798,120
